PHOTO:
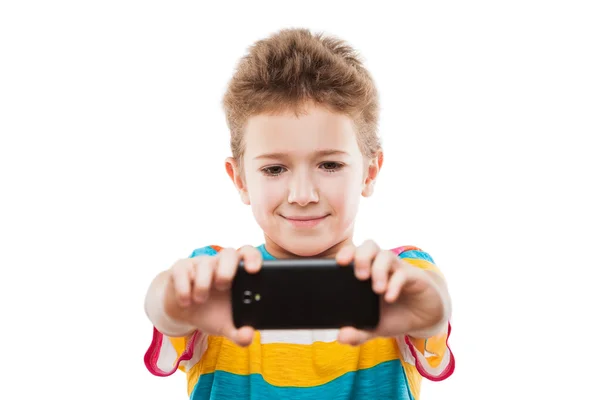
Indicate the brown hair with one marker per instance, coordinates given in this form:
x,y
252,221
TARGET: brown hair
x,y
294,67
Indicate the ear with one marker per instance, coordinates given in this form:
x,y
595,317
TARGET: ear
x,y
235,173
373,168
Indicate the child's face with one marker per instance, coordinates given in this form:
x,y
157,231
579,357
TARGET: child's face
x,y
304,178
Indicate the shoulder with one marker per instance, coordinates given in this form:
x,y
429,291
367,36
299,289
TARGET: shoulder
x,y
416,257
412,252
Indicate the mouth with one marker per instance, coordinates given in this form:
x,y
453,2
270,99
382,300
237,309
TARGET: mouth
x,y
305,221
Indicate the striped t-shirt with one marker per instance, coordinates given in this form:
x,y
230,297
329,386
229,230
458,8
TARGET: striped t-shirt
x,y
303,364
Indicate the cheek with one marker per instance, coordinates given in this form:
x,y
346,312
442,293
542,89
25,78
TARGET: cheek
x,y
265,197
343,195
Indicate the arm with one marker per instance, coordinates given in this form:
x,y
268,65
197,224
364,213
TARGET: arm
x,y
441,311
415,298
190,301
415,309
426,347
158,300
194,295
415,302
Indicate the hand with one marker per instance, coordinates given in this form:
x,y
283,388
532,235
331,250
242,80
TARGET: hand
x,y
412,299
198,292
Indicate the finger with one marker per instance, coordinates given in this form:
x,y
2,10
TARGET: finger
x,y
380,271
252,258
204,270
181,275
226,268
363,258
242,337
352,336
395,285
345,255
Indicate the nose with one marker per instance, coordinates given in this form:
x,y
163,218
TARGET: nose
x,y
302,190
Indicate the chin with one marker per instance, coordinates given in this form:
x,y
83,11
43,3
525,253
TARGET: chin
x,y
302,247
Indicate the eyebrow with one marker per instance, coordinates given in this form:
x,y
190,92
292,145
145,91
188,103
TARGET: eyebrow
x,y
320,153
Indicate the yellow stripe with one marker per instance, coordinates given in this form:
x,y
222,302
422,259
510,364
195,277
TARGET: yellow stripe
x,y
297,365
179,343
423,264
435,345
414,379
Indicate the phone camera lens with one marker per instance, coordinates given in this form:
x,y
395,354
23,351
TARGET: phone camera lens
x,y
247,299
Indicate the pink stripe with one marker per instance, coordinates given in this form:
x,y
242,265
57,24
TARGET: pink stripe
x,y
153,353
402,249
445,373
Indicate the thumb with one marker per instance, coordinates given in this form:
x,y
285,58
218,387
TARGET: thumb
x,y
352,336
242,337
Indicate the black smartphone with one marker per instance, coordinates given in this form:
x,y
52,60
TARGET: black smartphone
x,y
303,294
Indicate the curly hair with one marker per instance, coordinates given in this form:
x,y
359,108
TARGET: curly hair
x,y
293,68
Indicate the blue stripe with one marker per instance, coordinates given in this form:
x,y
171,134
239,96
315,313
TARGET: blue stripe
x,y
209,251
383,381
418,254
265,254
203,251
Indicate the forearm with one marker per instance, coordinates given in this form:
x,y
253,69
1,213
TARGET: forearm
x,y
440,313
162,309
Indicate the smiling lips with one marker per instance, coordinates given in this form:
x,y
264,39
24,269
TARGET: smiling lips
x,y
306,222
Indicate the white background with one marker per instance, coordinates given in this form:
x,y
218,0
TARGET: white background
x,y
111,162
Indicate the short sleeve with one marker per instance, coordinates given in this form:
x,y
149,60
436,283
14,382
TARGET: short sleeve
x,y
166,354
432,357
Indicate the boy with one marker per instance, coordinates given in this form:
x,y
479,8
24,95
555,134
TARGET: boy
x,y
302,112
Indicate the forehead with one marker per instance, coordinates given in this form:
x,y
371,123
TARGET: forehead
x,y
316,129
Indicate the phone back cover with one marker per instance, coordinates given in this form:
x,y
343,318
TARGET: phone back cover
x,y
309,296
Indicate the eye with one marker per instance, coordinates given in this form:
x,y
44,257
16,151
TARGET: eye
x,y
331,166
274,170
